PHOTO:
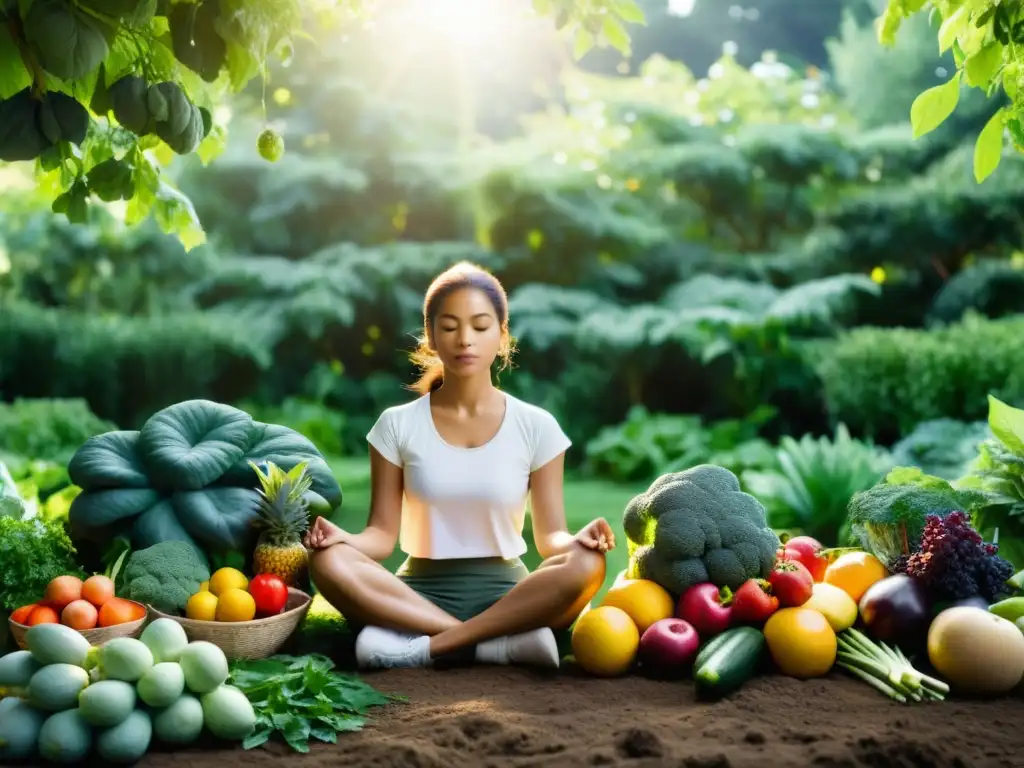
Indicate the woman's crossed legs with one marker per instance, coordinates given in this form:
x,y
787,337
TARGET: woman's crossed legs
x,y
404,628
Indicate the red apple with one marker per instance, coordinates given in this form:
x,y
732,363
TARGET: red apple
x,y
668,647
806,551
707,608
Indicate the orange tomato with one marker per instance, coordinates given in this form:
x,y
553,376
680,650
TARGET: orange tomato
x,y
117,611
21,614
42,614
63,590
80,614
98,590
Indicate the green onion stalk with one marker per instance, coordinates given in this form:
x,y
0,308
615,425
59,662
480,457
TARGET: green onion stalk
x,y
886,669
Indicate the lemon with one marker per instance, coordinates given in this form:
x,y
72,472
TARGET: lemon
x,y
645,601
236,605
224,579
834,604
202,606
801,641
204,587
270,145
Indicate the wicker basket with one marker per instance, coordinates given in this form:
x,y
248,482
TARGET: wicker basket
x,y
96,636
254,639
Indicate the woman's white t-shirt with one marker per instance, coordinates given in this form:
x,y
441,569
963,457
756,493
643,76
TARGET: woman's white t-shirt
x,y
466,502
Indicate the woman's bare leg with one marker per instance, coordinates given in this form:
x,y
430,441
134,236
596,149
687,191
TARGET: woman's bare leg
x,y
542,599
364,590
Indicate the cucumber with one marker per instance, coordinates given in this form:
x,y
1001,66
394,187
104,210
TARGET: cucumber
x,y
727,661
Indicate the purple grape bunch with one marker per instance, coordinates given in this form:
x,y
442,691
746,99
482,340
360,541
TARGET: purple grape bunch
x,y
953,562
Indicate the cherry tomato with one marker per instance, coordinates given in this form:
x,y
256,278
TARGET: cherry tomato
x,y
269,592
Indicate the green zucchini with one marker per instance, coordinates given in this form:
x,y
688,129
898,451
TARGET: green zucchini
x,y
727,661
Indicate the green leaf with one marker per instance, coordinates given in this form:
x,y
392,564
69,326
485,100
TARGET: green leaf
x,y
1007,424
13,75
616,35
932,107
952,28
984,65
629,11
323,733
582,43
988,149
257,738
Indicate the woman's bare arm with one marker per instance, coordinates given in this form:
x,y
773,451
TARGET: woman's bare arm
x,y
551,533
377,541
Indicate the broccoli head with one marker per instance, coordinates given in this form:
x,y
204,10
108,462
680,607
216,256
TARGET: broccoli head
x,y
695,526
165,575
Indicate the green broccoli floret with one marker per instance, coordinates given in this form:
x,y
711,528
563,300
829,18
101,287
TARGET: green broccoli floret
x,y
165,575
695,526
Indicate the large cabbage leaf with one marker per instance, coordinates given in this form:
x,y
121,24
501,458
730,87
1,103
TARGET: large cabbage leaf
x,y
189,445
221,518
108,460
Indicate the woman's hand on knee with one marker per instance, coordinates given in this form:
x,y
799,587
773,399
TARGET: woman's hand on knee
x,y
597,535
323,534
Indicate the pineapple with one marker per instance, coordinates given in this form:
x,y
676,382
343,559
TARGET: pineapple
x,y
283,520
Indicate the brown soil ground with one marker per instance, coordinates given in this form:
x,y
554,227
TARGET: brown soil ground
x,y
512,717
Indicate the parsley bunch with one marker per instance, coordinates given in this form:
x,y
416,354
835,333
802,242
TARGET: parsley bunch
x,y
33,552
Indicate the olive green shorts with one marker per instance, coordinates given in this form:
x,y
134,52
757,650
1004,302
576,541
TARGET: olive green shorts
x,y
462,587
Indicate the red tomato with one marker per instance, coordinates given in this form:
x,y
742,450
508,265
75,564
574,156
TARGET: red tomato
x,y
269,593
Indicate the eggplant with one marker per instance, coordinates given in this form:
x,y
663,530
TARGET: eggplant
x,y
897,610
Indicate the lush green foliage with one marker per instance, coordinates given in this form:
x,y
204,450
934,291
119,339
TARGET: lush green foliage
x,y
102,95
883,382
983,36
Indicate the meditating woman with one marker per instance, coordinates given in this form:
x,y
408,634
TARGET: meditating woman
x,y
451,472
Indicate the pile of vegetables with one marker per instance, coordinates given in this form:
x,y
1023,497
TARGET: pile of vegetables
x,y
187,475
697,526
75,701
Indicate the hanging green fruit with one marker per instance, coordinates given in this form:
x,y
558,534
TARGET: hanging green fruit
x,y
270,145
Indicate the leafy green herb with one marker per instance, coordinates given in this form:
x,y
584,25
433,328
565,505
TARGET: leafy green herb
x,y
32,553
303,697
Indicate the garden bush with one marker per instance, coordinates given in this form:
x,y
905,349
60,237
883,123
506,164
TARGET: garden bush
x,y
882,382
125,368
48,429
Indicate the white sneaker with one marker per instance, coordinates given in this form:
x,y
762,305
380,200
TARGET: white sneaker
x,y
380,647
537,648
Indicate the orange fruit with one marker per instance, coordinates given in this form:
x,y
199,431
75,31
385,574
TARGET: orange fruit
x,y
42,614
801,641
98,590
118,611
224,579
20,615
235,605
605,641
62,591
645,601
854,572
79,614
202,606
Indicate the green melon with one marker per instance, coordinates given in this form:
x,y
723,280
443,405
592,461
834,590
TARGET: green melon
x,y
180,723
107,703
205,666
17,668
125,658
166,638
57,644
127,742
65,737
20,723
56,687
162,685
228,713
